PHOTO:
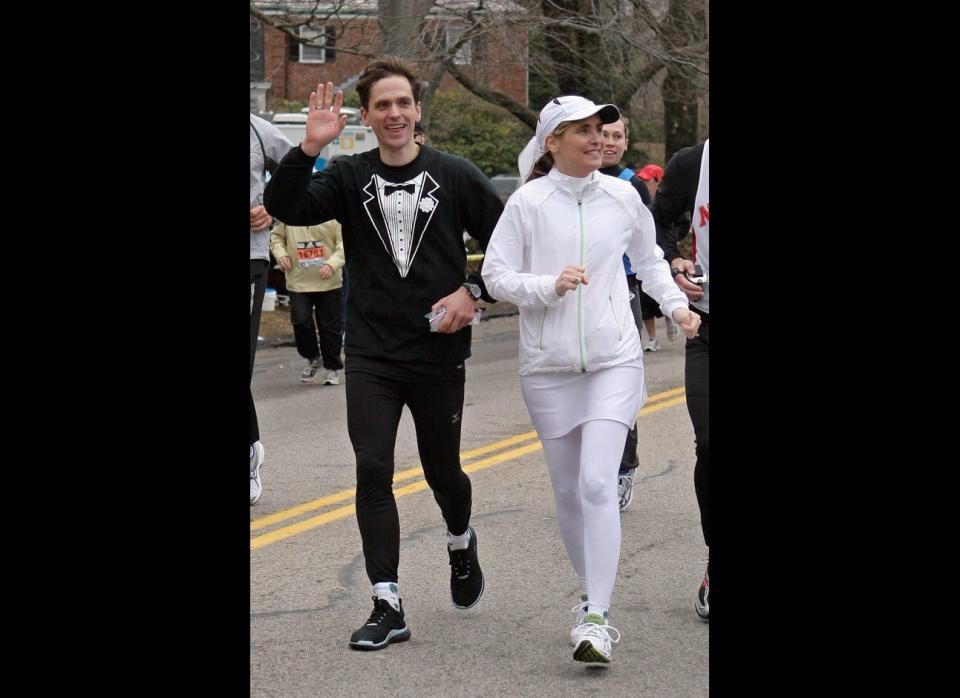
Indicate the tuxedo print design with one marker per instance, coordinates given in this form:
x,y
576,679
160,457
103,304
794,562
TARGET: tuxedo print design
x,y
401,213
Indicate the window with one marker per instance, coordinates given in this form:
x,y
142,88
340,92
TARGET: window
x,y
464,55
321,51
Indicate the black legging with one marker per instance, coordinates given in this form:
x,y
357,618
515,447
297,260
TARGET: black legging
x,y
374,405
697,372
258,285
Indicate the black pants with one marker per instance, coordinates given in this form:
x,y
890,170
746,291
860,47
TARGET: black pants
x,y
258,285
698,405
374,405
325,306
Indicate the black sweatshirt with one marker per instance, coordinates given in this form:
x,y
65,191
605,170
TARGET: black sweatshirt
x,y
676,196
404,245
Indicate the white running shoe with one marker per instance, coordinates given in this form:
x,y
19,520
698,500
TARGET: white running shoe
x,y
652,345
256,462
331,378
580,609
309,373
596,640
625,489
703,595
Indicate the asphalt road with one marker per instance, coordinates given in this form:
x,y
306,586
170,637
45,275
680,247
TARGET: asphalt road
x,y
309,590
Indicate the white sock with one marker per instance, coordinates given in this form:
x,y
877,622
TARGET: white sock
x,y
388,591
458,542
597,608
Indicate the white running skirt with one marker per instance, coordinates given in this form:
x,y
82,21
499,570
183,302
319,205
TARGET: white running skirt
x,y
558,402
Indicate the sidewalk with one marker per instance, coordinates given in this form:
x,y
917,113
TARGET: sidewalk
x,y
277,331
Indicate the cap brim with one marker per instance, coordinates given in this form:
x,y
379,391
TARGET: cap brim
x,y
607,113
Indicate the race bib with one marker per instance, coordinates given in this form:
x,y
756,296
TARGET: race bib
x,y
311,254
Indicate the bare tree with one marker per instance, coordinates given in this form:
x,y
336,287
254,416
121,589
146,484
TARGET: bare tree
x,y
605,49
291,17
685,20
400,26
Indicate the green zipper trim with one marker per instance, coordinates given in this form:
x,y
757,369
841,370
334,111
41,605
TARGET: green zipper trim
x,y
583,365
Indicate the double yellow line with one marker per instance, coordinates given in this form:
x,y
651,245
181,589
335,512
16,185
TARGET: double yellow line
x,y
531,443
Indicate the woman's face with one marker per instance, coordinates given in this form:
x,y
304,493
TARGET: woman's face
x,y
578,151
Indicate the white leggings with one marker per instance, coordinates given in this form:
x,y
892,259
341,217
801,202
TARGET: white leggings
x,y
583,470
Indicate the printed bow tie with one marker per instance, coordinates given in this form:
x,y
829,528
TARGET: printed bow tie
x,y
388,189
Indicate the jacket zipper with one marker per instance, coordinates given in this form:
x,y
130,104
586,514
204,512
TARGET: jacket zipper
x,y
583,365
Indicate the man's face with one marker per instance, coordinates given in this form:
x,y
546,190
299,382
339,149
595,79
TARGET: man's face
x,y
614,143
392,112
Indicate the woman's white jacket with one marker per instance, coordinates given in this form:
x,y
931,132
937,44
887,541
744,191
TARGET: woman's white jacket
x,y
545,226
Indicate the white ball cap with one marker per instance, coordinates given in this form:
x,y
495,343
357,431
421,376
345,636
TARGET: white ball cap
x,y
556,111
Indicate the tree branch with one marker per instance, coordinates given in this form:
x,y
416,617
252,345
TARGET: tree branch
x,y
526,115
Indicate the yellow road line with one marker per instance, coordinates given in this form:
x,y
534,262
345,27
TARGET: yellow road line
x,y
417,471
344,511
648,409
303,508
301,526
400,476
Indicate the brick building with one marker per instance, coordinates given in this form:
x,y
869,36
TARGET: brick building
x,y
281,68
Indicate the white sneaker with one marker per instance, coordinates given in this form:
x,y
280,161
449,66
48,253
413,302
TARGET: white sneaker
x,y
331,378
652,345
625,490
309,373
596,641
256,462
703,595
673,330
580,609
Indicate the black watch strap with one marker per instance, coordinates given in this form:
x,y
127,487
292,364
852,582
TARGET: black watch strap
x,y
472,289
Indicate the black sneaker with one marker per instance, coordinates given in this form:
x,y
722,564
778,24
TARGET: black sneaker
x,y
466,577
703,596
385,625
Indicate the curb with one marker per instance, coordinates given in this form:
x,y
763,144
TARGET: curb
x,y
500,309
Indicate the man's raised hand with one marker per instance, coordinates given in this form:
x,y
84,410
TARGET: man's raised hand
x,y
324,121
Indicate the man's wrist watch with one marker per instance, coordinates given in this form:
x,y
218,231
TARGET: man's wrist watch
x,y
676,271
472,289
